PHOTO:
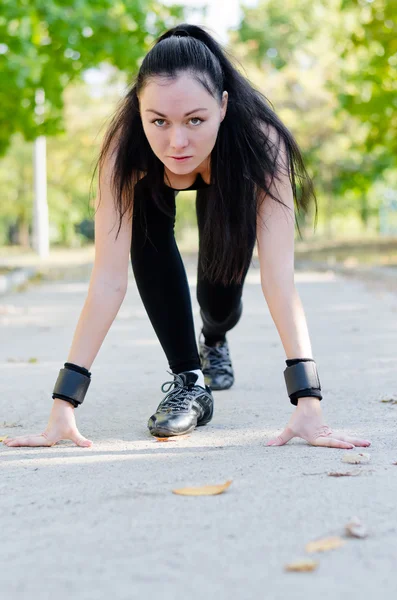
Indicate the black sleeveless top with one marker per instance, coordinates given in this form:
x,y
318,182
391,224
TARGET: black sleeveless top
x,y
198,184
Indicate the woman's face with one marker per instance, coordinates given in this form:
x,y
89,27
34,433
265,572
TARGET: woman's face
x,y
180,119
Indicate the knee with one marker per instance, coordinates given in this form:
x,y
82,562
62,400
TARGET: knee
x,y
217,322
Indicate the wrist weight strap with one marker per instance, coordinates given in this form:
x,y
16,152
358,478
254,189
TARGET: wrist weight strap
x,y
72,384
302,380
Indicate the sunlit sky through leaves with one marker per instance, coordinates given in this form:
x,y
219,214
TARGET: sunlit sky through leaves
x,y
219,16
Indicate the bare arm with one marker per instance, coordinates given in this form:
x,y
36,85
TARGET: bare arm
x,y
99,311
107,289
275,232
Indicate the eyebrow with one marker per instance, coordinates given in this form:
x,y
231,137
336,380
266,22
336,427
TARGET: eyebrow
x,y
165,116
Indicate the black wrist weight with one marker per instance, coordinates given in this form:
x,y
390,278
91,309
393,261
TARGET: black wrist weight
x,y
72,384
302,379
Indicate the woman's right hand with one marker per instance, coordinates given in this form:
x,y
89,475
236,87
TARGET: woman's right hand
x,y
61,426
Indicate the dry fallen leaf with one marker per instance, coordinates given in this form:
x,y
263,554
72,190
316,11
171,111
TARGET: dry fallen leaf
x,y
204,490
345,474
325,544
3,438
354,528
302,565
389,400
32,360
356,458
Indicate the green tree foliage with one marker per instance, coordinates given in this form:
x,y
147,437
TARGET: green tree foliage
x,y
370,71
71,156
314,60
47,44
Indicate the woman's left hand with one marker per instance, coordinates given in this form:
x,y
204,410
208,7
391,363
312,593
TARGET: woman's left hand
x,y
307,422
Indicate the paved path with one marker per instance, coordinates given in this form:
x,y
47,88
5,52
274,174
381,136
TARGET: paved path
x,y
103,522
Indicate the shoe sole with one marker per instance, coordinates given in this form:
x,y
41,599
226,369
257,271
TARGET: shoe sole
x,y
168,433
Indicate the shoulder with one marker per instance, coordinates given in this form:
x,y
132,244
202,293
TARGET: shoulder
x,y
278,177
276,147
269,130
273,136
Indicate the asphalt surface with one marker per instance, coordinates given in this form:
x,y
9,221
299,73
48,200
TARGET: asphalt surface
x,y
103,522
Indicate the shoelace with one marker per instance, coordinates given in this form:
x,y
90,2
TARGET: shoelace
x,y
218,358
178,398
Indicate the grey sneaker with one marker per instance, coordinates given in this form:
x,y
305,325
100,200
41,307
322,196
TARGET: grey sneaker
x,y
216,364
185,407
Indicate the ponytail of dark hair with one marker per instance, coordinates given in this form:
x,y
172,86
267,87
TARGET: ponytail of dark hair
x,y
244,161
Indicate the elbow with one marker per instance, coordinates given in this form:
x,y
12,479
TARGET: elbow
x,y
109,285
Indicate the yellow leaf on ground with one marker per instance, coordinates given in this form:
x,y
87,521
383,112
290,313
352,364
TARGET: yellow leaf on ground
x,y
171,438
302,565
204,490
3,438
325,544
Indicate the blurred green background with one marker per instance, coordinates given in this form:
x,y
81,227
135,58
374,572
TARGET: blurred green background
x,y
328,67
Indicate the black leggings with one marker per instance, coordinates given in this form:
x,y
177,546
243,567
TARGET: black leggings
x,y
162,283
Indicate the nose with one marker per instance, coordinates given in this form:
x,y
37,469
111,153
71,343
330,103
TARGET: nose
x,y
178,139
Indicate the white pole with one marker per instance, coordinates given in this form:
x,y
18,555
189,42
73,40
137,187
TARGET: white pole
x,y
41,242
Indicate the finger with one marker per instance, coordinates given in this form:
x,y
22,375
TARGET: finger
x,y
329,442
354,441
11,441
282,439
29,440
80,440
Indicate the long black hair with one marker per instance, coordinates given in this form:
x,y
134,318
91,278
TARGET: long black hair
x,y
244,160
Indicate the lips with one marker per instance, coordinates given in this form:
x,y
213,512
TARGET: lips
x,y
180,157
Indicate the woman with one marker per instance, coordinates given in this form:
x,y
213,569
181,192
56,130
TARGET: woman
x,y
191,121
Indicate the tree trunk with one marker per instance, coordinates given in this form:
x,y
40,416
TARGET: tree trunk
x,y
23,233
364,210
